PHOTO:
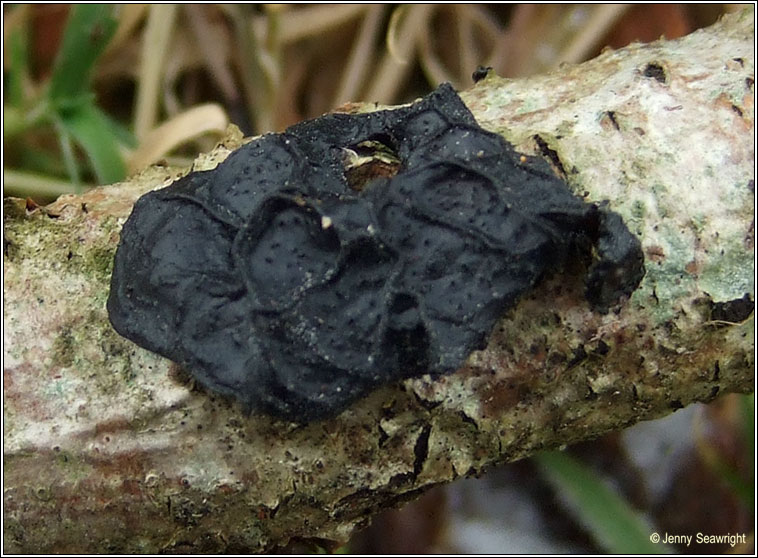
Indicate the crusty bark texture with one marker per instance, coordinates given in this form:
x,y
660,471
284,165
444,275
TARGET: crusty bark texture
x,y
108,447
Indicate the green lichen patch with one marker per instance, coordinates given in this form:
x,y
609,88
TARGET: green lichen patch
x,y
64,347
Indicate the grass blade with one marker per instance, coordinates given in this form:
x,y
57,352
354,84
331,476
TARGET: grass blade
x,y
18,68
89,28
93,131
609,519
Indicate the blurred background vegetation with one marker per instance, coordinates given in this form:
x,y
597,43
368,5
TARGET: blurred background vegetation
x,y
93,93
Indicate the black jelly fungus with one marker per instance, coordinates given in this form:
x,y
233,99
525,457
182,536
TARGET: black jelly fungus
x,y
271,280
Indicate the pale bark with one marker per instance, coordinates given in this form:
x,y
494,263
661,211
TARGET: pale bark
x,y
107,448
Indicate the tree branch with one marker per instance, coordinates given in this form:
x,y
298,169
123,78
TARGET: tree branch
x,y
108,448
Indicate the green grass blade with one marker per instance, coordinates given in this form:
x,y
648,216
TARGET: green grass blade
x,y
122,134
747,415
18,67
92,130
67,152
743,488
89,28
610,520
13,121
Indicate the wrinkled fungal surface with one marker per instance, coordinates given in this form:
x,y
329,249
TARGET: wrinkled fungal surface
x,y
274,280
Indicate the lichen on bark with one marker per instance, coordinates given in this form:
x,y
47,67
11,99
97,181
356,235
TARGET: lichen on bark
x,y
109,447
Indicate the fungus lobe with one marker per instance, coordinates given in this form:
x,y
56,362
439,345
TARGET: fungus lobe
x,y
272,280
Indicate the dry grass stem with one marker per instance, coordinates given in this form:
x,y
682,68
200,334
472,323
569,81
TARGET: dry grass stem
x,y
216,44
180,129
390,73
158,33
361,56
312,20
586,39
